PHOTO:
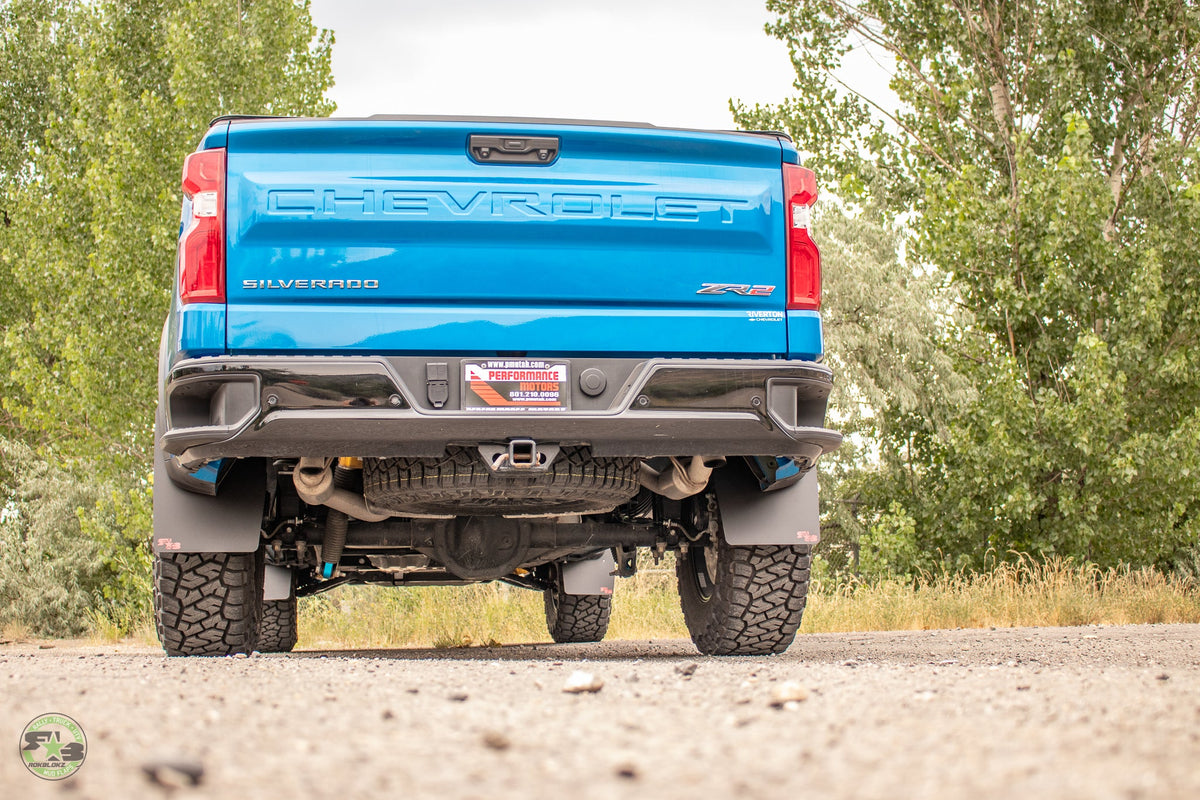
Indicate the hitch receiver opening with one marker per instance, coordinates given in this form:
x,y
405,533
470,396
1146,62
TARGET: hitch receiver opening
x,y
523,453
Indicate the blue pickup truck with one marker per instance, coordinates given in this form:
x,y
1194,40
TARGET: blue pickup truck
x,y
416,351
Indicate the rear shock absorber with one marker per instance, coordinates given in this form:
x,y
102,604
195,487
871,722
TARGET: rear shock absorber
x,y
336,521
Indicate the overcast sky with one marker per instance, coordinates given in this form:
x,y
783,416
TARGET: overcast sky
x,y
669,62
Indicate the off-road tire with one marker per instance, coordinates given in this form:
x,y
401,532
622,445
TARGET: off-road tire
x,y
460,483
207,604
277,630
753,603
576,617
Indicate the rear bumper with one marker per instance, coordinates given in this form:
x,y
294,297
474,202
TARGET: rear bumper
x,y
369,406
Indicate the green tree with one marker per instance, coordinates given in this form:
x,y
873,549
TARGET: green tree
x,y
34,35
881,320
1043,159
93,223
51,574
101,102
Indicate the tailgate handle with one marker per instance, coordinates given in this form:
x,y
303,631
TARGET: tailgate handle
x,y
517,149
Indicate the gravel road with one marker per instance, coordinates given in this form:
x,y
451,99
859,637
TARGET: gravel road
x,y
1098,712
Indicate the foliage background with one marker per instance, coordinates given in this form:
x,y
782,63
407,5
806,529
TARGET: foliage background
x,y
100,102
1038,387
1011,302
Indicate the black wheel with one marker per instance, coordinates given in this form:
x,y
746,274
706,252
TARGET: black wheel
x,y
743,600
576,617
277,629
207,604
460,483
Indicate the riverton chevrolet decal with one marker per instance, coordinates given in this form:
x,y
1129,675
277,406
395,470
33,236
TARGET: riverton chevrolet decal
x,y
516,386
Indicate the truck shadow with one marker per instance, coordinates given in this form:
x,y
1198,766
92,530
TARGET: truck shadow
x,y
665,650
953,649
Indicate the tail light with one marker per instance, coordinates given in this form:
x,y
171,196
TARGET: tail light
x,y
202,246
804,260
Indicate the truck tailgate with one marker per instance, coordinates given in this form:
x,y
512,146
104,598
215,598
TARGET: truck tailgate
x,y
392,236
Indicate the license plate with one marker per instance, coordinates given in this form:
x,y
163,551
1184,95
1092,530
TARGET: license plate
x,y
516,385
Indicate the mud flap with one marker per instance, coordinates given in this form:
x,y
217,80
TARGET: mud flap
x,y
594,576
277,583
230,522
789,515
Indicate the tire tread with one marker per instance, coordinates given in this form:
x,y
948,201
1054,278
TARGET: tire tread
x,y
277,632
577,617
207,604
757,601
460,483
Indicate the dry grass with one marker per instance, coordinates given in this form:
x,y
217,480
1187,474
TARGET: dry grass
x,y
483,614
1024,592
138,632
14,632
1055,592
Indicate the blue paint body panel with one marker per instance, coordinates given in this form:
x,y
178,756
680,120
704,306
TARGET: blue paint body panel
x,y
548,330
385,236
216,136
213,471
197,329
804,335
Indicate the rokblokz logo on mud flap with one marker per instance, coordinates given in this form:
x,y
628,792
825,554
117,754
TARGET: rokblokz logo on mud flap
x,y
53,746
